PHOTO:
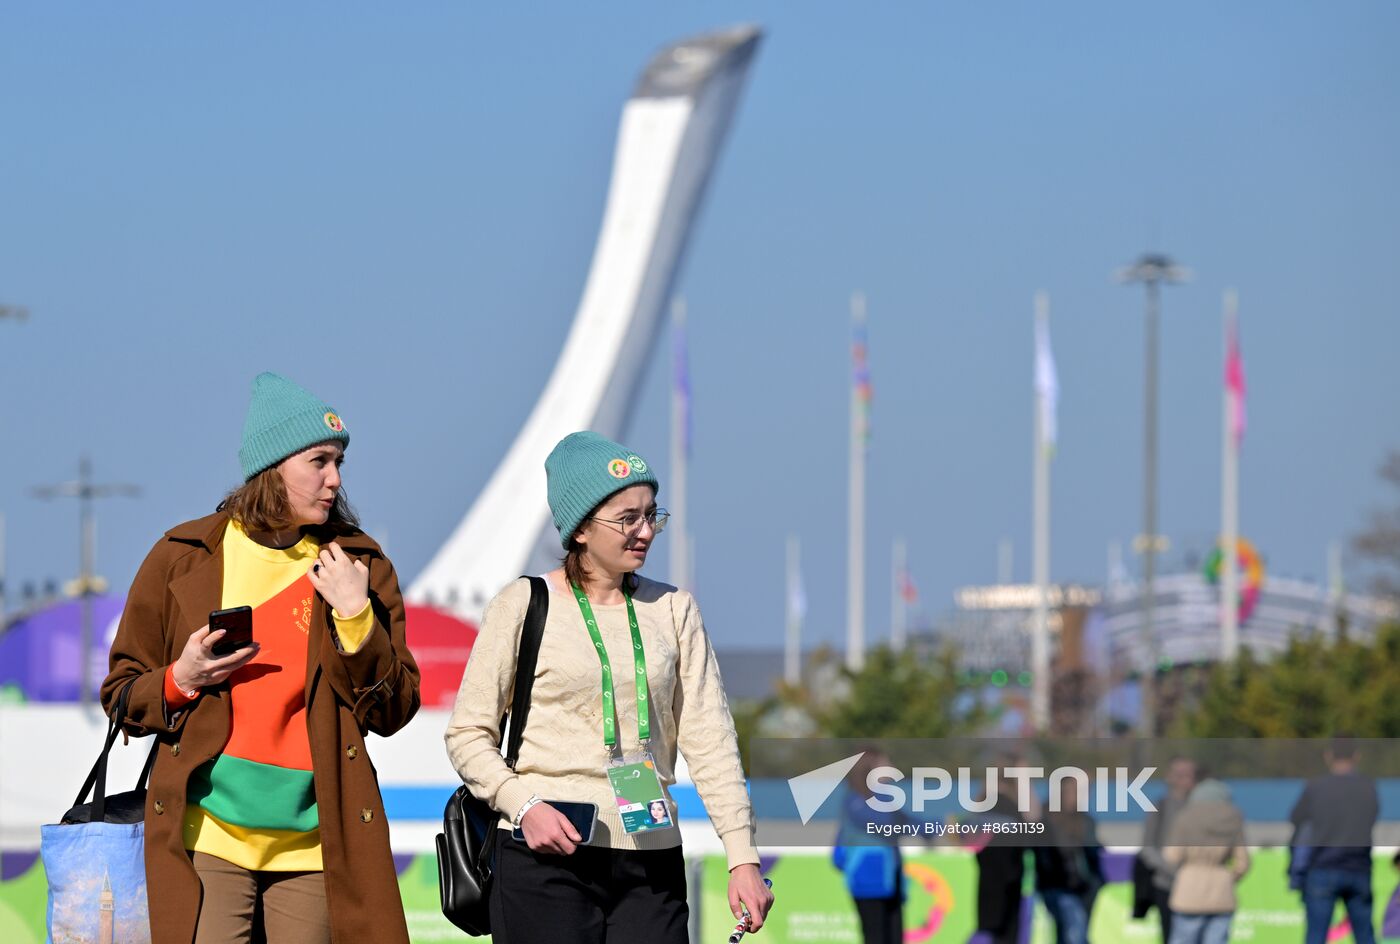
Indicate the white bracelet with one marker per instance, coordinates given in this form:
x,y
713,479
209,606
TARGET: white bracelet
x,y
520,814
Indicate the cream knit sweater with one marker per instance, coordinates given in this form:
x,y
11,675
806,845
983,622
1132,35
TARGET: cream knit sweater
x,y
562,756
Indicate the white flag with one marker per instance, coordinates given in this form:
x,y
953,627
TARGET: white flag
x,y
1047,385
797,596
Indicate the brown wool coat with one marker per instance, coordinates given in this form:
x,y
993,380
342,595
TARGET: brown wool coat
x,y
374,689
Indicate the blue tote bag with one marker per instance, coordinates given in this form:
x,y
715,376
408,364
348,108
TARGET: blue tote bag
x,y
94,859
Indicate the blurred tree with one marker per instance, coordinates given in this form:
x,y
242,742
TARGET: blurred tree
x,y
748,717
1315,688
900,695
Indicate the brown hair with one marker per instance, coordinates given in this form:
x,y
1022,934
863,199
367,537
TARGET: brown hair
x,y
260,504
576,571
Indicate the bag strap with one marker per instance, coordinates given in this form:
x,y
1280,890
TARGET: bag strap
x,y
97,778
530,635
150,763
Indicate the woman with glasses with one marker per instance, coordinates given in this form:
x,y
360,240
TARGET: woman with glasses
x,y
625,677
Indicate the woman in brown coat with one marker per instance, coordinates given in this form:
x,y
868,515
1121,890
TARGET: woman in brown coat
x,y
263,795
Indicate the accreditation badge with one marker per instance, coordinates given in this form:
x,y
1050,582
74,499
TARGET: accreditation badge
x,y
640,799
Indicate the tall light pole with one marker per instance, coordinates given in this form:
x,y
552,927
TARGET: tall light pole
x,y
1152,270
18,313
88,583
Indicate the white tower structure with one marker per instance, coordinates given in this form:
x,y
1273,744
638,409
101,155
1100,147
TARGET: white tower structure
x,y
670,136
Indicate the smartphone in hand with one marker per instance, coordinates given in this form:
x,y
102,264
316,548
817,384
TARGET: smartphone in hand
x,y
581,815
237,623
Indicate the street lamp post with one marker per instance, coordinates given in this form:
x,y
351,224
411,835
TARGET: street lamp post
x,y
88,583
1152,270
18,313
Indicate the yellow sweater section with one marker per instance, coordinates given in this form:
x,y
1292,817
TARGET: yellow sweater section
x,y
253,574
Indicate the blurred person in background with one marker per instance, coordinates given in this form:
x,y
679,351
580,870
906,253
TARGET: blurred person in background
x,y
1338,812
1069,873
1152,875
1206,847
1001,869
263,795
871,862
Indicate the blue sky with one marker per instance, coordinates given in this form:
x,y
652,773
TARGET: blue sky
x,y
397,208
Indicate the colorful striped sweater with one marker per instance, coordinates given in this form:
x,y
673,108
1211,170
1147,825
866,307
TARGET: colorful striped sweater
x,y
255,804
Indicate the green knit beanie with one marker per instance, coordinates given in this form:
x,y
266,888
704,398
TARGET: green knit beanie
x,y
283,419
583,471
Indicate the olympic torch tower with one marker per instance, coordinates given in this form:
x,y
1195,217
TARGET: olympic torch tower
x,y
670,136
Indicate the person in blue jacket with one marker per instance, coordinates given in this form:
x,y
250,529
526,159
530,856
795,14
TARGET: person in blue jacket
x,y
869,859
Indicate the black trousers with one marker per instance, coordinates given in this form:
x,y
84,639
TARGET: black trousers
x,y
881,920
999,911
1160,897
595,896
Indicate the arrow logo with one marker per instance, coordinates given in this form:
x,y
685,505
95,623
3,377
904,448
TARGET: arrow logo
x,y
810,790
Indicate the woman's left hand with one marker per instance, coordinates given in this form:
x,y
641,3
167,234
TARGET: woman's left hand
x,y
746,888
342,581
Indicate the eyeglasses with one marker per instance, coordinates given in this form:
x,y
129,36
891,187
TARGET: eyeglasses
x,y
630,524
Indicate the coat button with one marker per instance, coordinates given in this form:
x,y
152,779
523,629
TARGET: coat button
x,y
352,752
159,807
175,750
366,815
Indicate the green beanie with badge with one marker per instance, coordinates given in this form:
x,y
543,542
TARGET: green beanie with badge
x,y
583,471
283,419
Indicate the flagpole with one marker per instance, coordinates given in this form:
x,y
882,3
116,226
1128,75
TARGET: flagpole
x,y
899,622
1040,566
1229,493
855,546
1336,588
792,656
680,408
2,573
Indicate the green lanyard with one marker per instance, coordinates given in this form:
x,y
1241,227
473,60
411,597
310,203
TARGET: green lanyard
x,y
639,658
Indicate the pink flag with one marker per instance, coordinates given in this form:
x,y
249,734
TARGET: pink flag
x,y
1234,383
908,592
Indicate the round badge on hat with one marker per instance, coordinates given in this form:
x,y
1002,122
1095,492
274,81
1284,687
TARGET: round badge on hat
x,y
334,422
638,464
619,469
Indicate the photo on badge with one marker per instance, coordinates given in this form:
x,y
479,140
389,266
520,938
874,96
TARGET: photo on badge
x,y
660,815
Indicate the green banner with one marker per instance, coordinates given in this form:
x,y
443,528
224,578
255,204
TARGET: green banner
x,y
812,904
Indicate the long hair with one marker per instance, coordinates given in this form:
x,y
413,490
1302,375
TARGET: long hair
x,y
261,504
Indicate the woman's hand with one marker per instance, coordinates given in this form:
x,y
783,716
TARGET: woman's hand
x,y
548,830
198,667
342,581
746,889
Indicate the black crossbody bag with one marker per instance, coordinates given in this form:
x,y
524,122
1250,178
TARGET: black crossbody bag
x,y
128,807
467,844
